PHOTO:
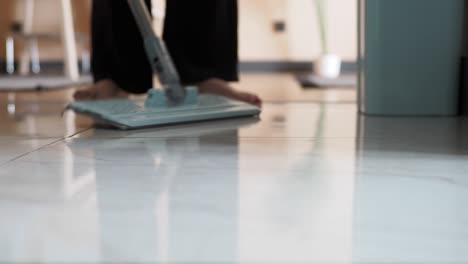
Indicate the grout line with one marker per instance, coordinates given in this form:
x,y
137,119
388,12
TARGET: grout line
x,y
42,147
78,132
25,154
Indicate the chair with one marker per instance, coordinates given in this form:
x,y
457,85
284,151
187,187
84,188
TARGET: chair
x,y
30,56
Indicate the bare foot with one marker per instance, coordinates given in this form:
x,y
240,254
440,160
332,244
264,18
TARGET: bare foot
x,y
220,87
102,90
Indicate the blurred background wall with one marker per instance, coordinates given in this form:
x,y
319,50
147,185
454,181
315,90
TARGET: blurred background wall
x,y
300,40
259,41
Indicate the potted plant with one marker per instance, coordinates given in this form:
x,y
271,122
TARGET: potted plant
x,y
328,65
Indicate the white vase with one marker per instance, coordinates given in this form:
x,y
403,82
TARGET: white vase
x,y
328,66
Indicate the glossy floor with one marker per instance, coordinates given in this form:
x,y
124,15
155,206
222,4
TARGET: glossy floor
x,y
310,182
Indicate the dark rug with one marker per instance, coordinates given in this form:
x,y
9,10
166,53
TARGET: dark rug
x,y
314,81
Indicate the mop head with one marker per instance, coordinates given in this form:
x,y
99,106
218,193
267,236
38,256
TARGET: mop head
x,y
157,111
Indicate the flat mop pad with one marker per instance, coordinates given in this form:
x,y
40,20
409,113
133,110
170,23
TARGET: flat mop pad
x,y
176,104
158,111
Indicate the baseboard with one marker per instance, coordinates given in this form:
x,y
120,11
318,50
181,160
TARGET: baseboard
x,y
245,66
48,67
288,66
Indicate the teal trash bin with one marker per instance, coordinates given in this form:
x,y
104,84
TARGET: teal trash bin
x,y
409,57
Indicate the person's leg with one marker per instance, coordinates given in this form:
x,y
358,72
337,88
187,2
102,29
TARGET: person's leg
x,y
203,41
131,69
101,39
119,60
201,37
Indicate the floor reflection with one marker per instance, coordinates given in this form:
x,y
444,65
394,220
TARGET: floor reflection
x,y
172,211
31,119
411,190
47,210
140,199
296,195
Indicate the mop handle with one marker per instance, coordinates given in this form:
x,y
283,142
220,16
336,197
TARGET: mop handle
x,y
157,53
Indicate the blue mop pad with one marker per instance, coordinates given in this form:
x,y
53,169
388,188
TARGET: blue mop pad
x,y
172,105
157,111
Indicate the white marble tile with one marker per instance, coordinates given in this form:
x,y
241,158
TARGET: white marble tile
x,y
149,199
411,184
11,149
307,183
28,126
41,120
211,198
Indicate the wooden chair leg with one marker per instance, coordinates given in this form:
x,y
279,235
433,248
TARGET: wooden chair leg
x,y
35,59
86,61
28,22
10,55
69,41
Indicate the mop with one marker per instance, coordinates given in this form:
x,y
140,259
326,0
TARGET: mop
x,y
173,104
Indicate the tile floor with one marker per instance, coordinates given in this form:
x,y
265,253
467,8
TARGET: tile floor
x,y
310,182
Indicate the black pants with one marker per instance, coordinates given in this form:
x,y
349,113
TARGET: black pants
x,y
201,36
